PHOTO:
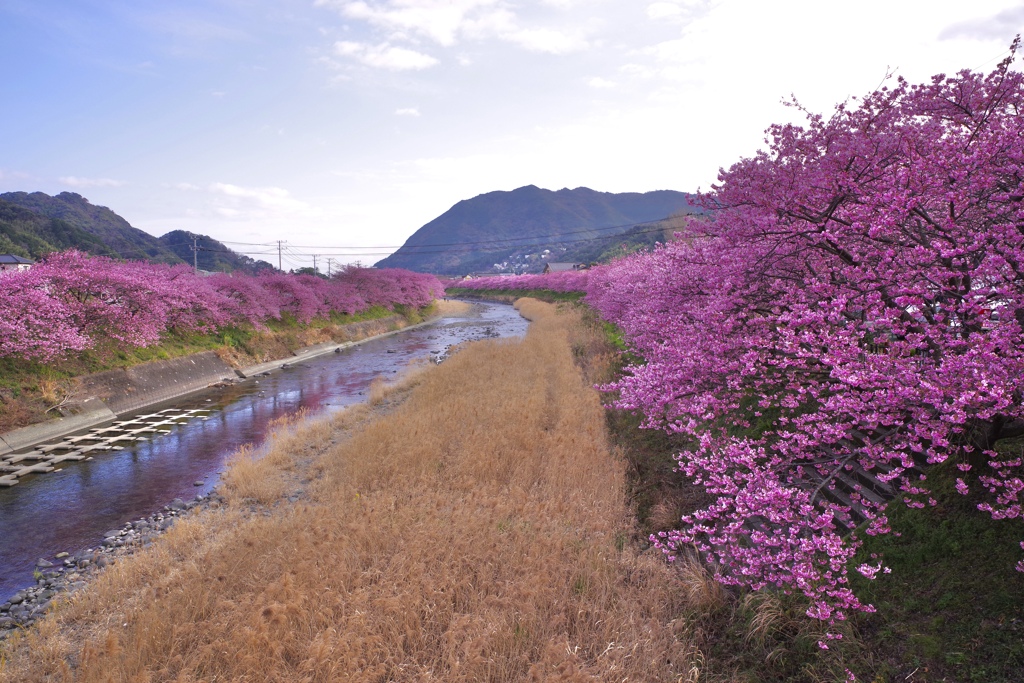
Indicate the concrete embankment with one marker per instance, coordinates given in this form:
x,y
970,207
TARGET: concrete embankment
x,y
114,393
316,350
94,413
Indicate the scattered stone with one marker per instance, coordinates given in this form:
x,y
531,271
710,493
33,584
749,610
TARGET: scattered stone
x,y
199,483
24,607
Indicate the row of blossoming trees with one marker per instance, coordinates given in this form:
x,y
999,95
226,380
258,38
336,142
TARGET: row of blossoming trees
x,y
858,293
563,281
71,302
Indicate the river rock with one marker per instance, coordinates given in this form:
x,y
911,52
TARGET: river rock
x,y
112,533
43,564
61,556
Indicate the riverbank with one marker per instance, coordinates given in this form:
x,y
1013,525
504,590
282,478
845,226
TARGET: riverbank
x,y
186,448
509,296
29,392
36,393
468,524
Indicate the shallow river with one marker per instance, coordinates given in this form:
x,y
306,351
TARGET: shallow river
x,y
71,509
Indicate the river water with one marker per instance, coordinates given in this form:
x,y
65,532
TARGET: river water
x,y
71,509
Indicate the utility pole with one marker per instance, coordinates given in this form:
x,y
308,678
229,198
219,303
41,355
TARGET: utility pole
x,y
279,256
329,259
195,253
314,265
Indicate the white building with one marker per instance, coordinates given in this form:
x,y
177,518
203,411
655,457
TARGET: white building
x,y
10,262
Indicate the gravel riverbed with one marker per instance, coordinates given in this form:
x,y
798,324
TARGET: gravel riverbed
x,y
65,573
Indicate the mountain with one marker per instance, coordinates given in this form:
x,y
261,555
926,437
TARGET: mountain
x,y
99,221
514,227
31,235
34,224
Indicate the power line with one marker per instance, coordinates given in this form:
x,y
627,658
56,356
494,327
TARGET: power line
x,y
492,248
497,247
504,240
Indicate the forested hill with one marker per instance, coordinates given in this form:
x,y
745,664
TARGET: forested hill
x,y
34,224
502,227
99,221
31,235
212,255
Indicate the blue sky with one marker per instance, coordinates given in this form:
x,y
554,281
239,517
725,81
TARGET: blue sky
x,y
342,126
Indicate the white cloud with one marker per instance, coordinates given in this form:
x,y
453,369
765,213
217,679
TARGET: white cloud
x,y
447,22
664,10
75,181
384,56
439,20
637,71
407,111
13,175
601,83
1002,26
546,40
238,202
266,196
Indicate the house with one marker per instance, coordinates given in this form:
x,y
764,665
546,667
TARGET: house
x,y
562,267
10,262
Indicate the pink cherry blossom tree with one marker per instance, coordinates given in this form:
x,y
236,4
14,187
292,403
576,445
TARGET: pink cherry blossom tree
x,y
71,302
854,302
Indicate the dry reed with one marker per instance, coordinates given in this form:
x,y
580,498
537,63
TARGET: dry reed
x,y
477,532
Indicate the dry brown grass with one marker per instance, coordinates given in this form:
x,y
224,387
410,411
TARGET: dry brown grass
x,y
452,309
477,533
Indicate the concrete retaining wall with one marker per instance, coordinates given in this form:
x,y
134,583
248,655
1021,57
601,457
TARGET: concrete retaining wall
x,y
134,388
107,395
93,415
318,350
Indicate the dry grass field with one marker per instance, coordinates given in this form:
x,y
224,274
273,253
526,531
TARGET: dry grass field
x,y
469,524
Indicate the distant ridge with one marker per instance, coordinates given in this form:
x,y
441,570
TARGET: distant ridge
x,y
99,221
33,224
501,227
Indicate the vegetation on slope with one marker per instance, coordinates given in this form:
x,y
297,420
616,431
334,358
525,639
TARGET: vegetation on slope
x,y
35,224
31,392
99,221
30,235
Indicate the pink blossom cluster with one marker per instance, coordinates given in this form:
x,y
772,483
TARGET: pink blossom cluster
x,y
71,302
854,300
562,281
